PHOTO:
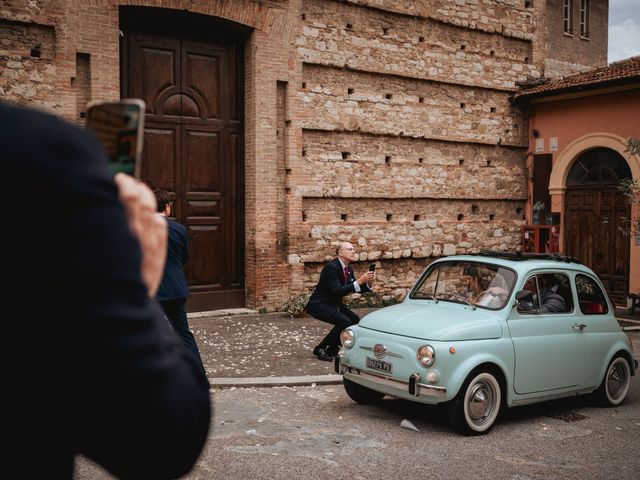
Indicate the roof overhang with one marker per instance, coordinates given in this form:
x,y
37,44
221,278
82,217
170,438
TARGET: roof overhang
x,y
577,91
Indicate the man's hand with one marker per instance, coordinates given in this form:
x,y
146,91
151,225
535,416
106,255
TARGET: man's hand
x,y
149,227
368,278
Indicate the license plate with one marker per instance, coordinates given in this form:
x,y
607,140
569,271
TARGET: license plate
x,y
378,365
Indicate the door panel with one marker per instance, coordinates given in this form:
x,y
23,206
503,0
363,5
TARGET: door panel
x,y
549,353
153,71
202,73
159,156
204,160
193,148
204,180
205,239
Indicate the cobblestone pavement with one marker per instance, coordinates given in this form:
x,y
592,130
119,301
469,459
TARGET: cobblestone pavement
x,y
269,345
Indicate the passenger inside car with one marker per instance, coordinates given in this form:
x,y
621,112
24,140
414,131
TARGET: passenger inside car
x,y
550,293
486,292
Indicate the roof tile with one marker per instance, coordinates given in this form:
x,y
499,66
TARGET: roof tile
x,y
617,71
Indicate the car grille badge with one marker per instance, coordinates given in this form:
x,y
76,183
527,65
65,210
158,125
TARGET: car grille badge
x,y
379,350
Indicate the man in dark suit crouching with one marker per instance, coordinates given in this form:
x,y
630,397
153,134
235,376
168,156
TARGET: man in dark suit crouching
x,y
337,280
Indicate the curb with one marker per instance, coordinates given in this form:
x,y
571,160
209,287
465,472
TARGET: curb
x,y
230,312
220,382
628,320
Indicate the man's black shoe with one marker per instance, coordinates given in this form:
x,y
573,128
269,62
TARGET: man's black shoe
x,y
332,351
321,354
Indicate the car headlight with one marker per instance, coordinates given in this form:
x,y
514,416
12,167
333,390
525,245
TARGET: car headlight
x,y
426,355
347,338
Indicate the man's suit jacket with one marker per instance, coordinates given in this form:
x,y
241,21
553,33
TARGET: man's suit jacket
x,y
331,288
91,364
551,300
174,283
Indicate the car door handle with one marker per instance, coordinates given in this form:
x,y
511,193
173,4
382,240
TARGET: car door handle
x,y
578,326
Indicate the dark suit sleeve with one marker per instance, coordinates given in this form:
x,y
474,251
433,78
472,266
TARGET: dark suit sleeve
x,y
131,397
331,279
149,408
553,303
365,289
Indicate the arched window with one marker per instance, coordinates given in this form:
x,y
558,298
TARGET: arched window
x,y
598,166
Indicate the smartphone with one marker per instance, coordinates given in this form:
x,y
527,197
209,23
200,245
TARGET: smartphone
x,y
119,125
372,267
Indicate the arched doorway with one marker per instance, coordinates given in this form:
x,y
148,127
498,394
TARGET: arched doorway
x,y
596,213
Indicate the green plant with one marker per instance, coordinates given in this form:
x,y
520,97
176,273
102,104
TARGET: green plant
x,y
295,305
631,188
371,300
633,146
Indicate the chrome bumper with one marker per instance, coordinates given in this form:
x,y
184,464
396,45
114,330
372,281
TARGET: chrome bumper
x,y
413,386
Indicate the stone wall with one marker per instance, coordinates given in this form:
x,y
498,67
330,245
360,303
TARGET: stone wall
x,y
337,99
511,18
384,228
353,164
27,63
343,35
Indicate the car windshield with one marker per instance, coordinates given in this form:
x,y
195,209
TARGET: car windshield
x,y
472,283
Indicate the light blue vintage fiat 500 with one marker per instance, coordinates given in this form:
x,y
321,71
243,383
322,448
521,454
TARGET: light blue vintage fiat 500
x,y
479,332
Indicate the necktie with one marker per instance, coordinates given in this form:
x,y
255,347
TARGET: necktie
x,y
346,274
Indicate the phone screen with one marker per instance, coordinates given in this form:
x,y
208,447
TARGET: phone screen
x,y
372,267
119,128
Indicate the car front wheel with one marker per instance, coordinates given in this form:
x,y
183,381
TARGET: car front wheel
x,y
474,410
615,384
361,394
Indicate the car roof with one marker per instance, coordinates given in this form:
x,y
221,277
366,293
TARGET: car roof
x,y
523,262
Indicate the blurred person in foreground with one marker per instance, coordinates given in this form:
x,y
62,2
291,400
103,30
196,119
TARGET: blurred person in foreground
x,y
93,368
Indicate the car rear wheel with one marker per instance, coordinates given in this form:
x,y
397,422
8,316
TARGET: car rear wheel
x,y
361,394
474,410
615,384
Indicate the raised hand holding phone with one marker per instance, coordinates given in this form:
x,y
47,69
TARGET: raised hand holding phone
x,y
371,274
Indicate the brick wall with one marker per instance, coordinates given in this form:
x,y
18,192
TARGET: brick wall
x,y
567,54
383,122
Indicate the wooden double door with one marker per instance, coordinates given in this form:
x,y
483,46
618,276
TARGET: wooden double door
x,y
596,218
193,147
595,222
